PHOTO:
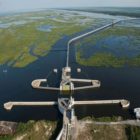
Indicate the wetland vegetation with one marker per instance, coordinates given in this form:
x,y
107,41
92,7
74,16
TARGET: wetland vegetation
x,y
16,39
114,47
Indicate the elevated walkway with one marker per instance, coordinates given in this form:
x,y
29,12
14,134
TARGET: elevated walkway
x,y
10,105
87,34
66,104
124,103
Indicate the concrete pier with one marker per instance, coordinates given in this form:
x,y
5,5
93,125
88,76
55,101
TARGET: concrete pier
x,y
93,84
65,103
10,105
122,102
37,84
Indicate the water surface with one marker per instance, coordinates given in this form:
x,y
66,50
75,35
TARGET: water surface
x,y
120,83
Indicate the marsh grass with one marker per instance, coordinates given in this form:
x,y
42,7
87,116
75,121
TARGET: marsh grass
x,y
108,59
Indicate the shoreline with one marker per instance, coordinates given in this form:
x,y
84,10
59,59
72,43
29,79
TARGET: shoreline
x,y
50,129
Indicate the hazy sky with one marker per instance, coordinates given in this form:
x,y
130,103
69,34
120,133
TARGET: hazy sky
x,y
8,5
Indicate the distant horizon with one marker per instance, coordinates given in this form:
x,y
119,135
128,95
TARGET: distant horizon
x,y
38,9
17,5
